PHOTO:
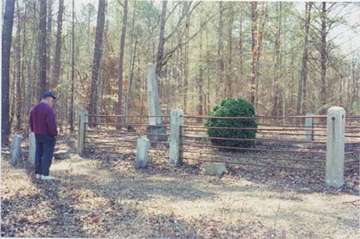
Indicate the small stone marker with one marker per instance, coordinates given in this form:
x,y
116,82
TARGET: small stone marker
x,y
32,148
142,152
335,147
309,127
15,150
214,169
83,120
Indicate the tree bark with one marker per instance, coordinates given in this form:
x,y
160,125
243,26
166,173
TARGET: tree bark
x,y
220,52
160,49
277,92
301,96
5,69
253,51
49,36
98,50
241,51
261,24
58,45
71,112
17,50
186,59
200,80
119,108
323,54
42,44
229,74
133,52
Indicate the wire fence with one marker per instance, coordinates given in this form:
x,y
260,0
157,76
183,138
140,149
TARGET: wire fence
x,y
119,133
286,143
279,142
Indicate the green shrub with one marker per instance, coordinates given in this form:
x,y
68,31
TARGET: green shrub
x,y
233,108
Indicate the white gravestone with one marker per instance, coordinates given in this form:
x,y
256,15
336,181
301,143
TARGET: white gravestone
x,y
142,152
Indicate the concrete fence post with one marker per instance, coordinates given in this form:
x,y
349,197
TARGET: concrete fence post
x,y
83,120
32,148
335,147
309,127
142,152
175,144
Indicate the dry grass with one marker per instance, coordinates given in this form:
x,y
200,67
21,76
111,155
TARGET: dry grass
x,y
110,198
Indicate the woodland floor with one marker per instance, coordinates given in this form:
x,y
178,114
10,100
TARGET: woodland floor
x,y
102,195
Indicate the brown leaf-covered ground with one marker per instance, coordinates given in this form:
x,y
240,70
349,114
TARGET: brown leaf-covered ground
x,y
103,195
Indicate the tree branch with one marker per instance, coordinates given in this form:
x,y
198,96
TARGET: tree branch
x,y
185,13
171,52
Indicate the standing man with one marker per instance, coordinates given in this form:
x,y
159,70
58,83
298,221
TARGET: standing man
x,y
43,124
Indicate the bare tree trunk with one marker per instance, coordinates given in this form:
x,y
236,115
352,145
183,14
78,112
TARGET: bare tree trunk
x,y
18,68
323,54
119,108
220,52
57,60
42,42
229,73
133,51
186,60
208,97
241,51
5,69
49,36
160,49
301,97
71,112
259,49
24,80
276,92
200,79
253,51
98,49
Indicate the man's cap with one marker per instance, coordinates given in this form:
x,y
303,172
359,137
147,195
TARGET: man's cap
x,y
48,94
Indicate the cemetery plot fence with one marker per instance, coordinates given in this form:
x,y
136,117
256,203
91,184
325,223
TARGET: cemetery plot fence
x,y
326,144
119,133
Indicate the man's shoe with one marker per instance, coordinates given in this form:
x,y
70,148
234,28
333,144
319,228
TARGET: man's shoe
x,y
43,177
37,176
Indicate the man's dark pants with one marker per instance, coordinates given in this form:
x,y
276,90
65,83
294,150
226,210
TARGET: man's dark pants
x,y
44,152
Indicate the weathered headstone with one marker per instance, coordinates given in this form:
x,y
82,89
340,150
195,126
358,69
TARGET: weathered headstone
x,y
32,148
142,152
309,127
83,120
335,147
176,121
15,150
155,131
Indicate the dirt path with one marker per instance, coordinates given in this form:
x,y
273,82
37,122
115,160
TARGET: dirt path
x,y
110,198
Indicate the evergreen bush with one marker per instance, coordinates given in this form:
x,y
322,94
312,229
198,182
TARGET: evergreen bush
x,y
233,108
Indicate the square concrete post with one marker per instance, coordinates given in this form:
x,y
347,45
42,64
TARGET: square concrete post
x,y
83,120
309,127
175,144
335,147
142,152
32,148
